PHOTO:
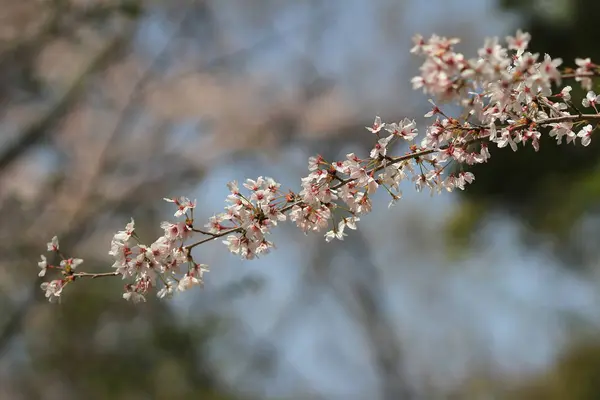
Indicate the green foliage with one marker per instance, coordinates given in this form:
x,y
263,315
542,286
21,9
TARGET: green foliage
x,y
461,226
131,8
100,347
575,377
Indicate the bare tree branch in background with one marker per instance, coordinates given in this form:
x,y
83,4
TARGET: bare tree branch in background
x,y
126,118
42,125
363,294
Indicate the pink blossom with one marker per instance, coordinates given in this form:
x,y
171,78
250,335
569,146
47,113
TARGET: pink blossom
x,y
53,244
586,135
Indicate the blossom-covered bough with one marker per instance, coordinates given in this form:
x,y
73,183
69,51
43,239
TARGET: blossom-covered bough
x,y
506,96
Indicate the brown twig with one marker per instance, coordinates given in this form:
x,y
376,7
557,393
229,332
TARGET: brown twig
x,y
94,275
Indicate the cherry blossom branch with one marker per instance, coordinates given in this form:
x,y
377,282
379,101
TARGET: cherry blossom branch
x,y
213,236
565,118
572,75
506,95
94,275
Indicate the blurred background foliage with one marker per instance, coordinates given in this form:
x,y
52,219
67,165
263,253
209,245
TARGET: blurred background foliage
x,y
551,190
109,105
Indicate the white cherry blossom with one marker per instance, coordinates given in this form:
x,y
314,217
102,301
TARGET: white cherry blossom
x,y
53,244
43,265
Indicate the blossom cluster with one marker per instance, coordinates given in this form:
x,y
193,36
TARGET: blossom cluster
x,y
166,261
507,95
248,219
66,266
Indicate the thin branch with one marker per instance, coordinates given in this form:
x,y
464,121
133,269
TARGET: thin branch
x,y
580,75
94,275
